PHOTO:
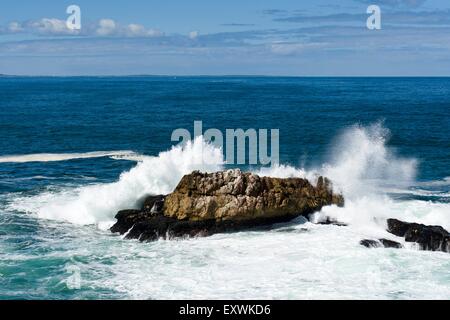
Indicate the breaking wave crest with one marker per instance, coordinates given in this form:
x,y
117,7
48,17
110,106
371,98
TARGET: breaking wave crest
x,y
361,166
97,204
51,157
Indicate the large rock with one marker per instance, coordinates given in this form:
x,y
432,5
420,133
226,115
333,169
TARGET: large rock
x,y
234,195
433,238
203,204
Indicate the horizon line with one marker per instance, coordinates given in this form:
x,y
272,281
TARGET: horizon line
x,y
218,75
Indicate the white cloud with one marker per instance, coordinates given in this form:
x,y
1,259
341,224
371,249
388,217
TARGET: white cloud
x,y
102,28
137,30
50,26
106,27
15,27
193,35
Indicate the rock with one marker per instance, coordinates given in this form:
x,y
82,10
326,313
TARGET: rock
x,y
153,204
234,195
390,244
370,243
126,219
380,243
432,238
330,221
204,204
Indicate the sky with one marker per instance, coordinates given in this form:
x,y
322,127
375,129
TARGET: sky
x,y
233,37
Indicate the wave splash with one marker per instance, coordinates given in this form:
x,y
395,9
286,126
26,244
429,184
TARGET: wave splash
x,y
97,204
361,166
365,170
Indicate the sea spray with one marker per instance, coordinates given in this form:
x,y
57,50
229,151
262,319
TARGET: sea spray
x,y
360,166
363,167
97,204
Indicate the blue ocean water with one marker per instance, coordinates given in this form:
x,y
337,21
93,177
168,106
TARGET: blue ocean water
x,y
68,145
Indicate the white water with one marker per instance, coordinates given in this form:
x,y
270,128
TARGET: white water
x,y
50,157
360,167
97,204
299,261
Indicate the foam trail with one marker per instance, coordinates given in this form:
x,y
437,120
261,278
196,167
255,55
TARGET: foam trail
x,y
49,157
97,204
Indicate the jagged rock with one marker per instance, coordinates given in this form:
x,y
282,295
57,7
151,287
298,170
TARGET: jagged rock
x,y
432,238
126,219
234,195
153,204
203,204
380,243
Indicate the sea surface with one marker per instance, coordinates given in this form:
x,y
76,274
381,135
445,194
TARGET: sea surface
x,y
74,151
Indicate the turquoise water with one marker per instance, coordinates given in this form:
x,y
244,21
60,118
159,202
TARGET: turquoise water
x,y
76,150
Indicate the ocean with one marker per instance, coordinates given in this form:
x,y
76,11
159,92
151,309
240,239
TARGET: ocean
x,y
76,150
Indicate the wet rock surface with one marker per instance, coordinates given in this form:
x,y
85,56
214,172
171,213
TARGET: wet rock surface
x,y
380,243
432,238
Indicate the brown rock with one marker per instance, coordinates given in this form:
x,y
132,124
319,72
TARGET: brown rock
x,y
234,195
204,204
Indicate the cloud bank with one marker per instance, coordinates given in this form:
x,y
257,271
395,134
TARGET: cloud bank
x,y
57,27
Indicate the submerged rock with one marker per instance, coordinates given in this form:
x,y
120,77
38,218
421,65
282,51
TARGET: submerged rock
x,y
206,203
432,238
380,243
390,244
330,221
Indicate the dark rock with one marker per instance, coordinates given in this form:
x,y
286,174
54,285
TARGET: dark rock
x,y
204,204
126,219
150,229
432,238
333,222
391,244
153,204
160,226
370,243
380,243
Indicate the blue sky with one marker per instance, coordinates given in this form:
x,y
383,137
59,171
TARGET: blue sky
x,y
283,37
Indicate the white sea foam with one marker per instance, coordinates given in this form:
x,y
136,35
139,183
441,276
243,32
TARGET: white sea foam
x,y
97,204
258,265
49,157
360,166
437,183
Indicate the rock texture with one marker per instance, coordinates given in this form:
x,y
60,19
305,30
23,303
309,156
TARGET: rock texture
x,y
432,238
203,204
234,195
126,219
